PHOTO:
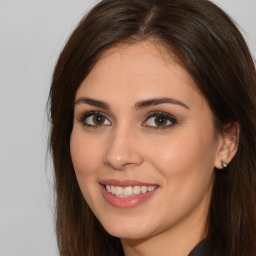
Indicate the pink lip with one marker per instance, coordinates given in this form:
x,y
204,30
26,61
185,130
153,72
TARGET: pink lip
x,y
125,202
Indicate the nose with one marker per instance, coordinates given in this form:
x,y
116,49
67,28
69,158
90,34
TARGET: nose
x,y
122,150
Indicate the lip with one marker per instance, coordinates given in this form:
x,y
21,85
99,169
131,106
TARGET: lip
x,y
126,202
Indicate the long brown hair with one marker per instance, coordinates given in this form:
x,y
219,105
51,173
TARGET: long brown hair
x,y
213,51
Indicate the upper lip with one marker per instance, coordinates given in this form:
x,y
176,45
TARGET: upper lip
x,y
125,183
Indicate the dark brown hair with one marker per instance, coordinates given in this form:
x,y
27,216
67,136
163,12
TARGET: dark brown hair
x,y
213,51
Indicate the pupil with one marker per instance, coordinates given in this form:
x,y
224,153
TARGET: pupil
x,y
98,119
161,120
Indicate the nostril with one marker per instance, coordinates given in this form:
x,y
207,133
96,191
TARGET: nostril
x,y
115,165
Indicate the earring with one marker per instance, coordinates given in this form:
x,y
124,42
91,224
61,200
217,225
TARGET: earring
x,y
224,164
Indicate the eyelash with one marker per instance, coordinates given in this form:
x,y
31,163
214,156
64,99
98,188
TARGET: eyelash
x,y
91,114
165,116
155,114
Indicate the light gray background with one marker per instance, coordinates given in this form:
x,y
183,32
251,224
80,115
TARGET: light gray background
x,y
32,33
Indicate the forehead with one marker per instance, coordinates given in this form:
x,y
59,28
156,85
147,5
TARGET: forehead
x,y
139,68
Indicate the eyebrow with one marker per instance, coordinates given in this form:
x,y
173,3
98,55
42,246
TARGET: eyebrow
x,y
157,101
93,102
139,105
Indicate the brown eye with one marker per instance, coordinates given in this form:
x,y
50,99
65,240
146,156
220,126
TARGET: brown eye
x,y
99,119
160,121
95,120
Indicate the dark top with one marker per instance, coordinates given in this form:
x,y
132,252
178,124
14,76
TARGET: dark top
x,y
201,249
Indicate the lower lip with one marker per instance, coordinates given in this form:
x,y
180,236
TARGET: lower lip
x,y
126,202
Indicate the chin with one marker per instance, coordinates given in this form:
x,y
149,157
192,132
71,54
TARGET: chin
x,y
130,228
128,234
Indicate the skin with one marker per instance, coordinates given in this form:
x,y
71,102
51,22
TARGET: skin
x,y
127,146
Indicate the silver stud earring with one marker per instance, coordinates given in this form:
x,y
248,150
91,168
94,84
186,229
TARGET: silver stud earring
x,y
224,164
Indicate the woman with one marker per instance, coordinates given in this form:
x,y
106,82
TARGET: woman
x,y
154,132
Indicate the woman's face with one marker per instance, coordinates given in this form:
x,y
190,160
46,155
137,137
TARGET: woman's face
x,y
143,144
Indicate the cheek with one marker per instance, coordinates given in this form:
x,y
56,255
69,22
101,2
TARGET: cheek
x,y
84,153
187,157
186,165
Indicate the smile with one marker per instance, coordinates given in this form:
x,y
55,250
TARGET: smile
x,y
129,190
127,193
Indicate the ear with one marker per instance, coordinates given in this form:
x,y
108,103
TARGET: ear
x,y
227,144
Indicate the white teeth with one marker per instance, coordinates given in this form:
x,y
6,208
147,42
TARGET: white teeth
x,y
151,188
144,189
108,188
112,190
129,190
119,191
136,190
